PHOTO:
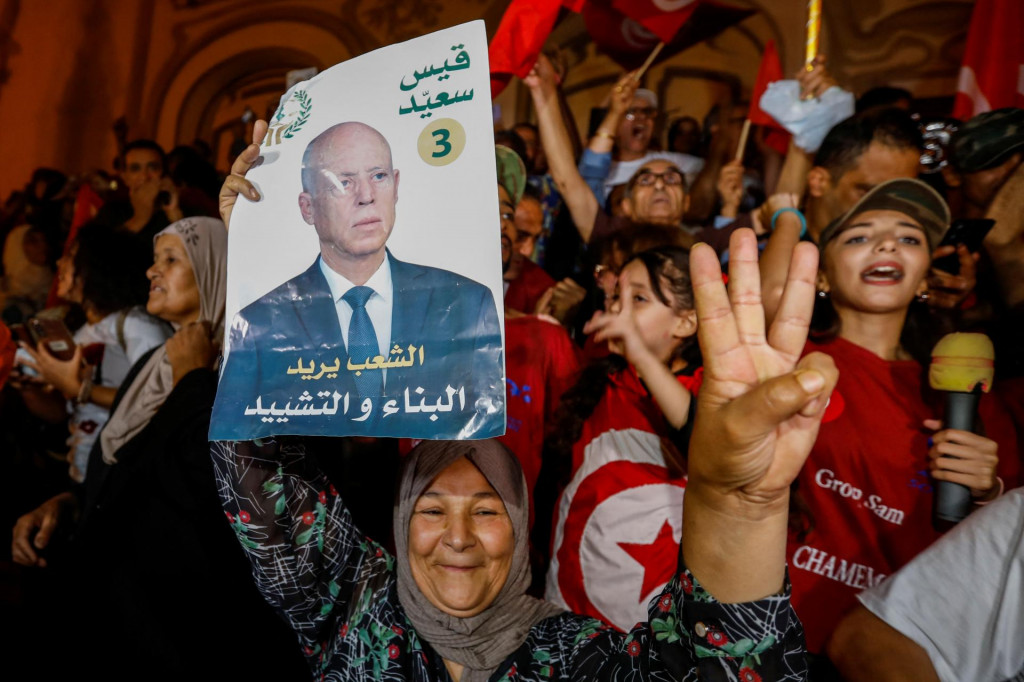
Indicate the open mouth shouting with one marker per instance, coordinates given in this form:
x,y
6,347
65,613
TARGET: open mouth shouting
x,y
883,273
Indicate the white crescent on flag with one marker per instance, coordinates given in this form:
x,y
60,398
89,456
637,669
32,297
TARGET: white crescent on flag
x,y
618,530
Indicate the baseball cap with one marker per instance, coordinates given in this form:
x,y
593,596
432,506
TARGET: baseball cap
x,y
988,139
906,195
647,96
511,172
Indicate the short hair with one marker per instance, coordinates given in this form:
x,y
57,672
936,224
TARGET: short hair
x,y
112,266
145,144
849,139
529,126
511,139
883,96
673,130
307,155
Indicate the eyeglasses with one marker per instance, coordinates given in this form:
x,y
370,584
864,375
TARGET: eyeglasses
x,y
636,112
647,178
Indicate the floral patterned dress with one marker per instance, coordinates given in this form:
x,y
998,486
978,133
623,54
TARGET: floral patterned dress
x,y
338,591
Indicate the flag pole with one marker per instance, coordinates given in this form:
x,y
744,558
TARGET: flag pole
x,y
743,140
646,65
813,33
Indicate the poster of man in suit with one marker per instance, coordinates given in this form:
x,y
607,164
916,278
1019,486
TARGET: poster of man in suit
x,y
354,313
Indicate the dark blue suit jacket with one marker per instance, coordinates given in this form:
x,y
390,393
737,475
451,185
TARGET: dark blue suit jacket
x,y
453,319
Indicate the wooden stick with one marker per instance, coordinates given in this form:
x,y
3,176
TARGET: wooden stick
x,y
743,140
654,54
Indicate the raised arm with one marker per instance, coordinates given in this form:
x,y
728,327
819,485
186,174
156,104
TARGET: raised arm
x,y
758,414
307,557
558,147
774,263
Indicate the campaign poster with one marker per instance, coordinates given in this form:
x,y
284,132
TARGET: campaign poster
x,y
364,288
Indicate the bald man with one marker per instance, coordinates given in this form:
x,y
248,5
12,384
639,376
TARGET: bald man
x,y
358,297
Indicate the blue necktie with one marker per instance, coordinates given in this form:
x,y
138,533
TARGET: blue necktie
x,y
362,344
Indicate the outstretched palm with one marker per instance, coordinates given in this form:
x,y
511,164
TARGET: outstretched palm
x,y
760,404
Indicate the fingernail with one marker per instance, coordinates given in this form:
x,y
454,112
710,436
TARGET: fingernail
x,y
810,380
254,194
931,441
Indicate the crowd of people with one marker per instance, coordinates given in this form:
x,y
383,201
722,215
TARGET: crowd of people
x,y
702,475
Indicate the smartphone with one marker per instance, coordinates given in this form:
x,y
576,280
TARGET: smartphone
x,y
967,231
54,335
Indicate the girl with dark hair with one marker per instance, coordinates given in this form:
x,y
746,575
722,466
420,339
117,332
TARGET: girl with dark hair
x,y
866,492
617,447
105,273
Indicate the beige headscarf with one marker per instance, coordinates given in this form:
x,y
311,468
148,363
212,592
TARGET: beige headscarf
x,y
206,243
481,642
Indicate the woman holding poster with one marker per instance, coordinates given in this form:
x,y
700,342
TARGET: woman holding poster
x,y
451,603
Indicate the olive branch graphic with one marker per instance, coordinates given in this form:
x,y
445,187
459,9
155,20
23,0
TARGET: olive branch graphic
x,y
305,107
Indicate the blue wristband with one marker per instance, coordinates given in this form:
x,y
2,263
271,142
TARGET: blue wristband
x,y
790,209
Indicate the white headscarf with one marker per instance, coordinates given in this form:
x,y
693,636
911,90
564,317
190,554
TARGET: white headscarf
x,y
206,243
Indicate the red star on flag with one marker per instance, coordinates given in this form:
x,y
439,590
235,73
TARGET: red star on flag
x,y
659,559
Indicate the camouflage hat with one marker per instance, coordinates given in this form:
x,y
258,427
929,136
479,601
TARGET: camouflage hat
x,y
909,196
511,172
988,139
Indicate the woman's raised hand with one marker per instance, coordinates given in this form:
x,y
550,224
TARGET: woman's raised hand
x,y
758,413
761,404
191,347
235,183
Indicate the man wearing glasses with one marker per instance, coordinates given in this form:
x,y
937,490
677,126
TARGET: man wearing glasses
x,y
625,133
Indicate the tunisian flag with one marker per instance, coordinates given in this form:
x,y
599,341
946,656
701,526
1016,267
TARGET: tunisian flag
x,y
663,18
625,30
992,75
770,71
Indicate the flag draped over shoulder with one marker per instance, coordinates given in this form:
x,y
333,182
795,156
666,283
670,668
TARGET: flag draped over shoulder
x,y
992,75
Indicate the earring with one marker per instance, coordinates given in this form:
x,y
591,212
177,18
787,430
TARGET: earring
x,y
822,293
923,297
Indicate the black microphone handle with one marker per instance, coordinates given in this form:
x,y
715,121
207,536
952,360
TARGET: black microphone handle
x,y
953,500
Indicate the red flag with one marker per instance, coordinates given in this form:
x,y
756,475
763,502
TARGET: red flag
x,y
520,36
629,43
770,71
663,18
992,75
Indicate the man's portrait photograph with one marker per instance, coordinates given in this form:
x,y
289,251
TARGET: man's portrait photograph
x,y
351,312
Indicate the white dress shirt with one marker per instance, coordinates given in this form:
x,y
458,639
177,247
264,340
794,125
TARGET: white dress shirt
x,y
378,306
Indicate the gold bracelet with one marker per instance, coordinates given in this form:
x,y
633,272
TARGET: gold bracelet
x,y
603,133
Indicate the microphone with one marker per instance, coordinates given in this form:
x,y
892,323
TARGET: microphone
x,y
963,366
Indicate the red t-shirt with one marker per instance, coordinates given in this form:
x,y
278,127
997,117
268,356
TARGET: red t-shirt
x,y
619,521
866,483
541,361
525,290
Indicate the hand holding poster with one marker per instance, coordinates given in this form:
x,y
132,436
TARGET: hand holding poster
x,y
352,313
